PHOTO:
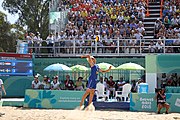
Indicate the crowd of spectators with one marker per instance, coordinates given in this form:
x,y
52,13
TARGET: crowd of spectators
x,y
169,80
105,21
55,84
169,27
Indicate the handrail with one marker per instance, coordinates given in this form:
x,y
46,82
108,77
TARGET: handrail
x,y
161,9
147,11
116,47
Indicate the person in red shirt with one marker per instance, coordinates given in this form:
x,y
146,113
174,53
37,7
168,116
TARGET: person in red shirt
x,y
69,84
111,86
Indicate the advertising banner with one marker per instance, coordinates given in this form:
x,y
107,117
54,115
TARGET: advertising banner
x,y
147,102
64,99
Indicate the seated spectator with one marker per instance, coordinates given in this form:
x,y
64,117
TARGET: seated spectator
x,y
161,101
166,22
55,84
120,84
79,84
102,82
137,83
174,21
163,80
133,88
46,83
69,84
111,86
36,83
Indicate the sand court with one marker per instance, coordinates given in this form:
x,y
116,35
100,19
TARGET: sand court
x,y
14,113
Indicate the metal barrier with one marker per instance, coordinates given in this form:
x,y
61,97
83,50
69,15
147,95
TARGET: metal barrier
x,y
108,47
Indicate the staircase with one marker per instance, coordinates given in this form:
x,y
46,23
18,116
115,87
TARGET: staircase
x,y
154,13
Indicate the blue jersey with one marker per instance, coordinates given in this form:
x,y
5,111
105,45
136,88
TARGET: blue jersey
x,y
93,77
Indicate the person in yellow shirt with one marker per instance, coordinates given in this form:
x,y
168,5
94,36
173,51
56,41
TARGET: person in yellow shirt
x,y
84,13
113,16
126,17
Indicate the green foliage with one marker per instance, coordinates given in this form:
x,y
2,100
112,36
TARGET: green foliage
x,y
7,38
32,13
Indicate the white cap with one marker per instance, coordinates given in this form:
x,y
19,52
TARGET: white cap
x,y
90,57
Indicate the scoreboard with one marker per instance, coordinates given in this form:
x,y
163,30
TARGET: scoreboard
x,y
16,64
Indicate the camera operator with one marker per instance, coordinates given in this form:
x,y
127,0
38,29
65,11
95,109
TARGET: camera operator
x,y
161,101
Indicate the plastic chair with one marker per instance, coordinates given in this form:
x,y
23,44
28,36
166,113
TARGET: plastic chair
x,y
124,93
101,93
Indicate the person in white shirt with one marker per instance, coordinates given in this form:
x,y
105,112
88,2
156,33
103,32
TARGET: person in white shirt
x,y
152,47
120,84
50,42
174,21
55,84
2,88
46,83
159,46
36,83
37,42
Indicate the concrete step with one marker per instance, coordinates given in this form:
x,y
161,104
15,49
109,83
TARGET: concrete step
x,y
154,6
149,34
150,19
157,15
151,31
148,37
154,3
151,28
157,10
149,23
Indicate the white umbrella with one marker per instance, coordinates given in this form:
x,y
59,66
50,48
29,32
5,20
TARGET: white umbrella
x,y
130,66
57,67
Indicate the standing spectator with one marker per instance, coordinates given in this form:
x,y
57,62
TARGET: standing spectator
x,y
152,47
159,46
36,83
69,84
79,85
2,88
50,42
55,84
157,26
37,42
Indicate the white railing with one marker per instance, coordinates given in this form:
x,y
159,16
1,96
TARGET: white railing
x,y
111,47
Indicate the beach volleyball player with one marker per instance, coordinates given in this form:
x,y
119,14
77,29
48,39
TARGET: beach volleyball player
x,y
91,87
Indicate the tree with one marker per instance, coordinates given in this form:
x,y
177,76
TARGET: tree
x,y
32,13
7,37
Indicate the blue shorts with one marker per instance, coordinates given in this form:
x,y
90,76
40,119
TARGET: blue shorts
x,y
91,84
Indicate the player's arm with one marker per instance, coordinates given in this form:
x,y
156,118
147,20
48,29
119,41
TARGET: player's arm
x,y
3,89
89,59
104,71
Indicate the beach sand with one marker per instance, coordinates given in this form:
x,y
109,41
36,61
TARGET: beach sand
x,y
14,113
